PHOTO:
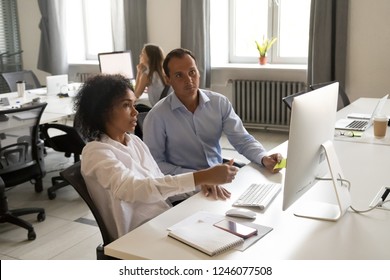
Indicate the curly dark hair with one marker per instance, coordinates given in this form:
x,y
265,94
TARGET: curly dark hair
x,y
95,98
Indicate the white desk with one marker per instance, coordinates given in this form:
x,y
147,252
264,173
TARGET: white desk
x,y
57,108
355,236
365,106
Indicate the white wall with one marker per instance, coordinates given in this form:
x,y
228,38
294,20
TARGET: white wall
x,y
368,62
164,23
29,17
368,59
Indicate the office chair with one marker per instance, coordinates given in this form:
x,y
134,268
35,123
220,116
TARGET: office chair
x,y
21,160
143,111
73,176
12,216
68,141
343,99
27,76
288,100
21,152
140,119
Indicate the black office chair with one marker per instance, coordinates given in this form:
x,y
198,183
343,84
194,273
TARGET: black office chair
x,y
68,141
143,111
12,216
21,160
27,76
140,121
21,152
288,100
343,99
73,176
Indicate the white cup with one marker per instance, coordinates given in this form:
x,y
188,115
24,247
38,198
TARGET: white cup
x,y
21,87
380,126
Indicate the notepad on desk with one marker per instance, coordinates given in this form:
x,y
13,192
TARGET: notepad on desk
x,y
206,238
211,218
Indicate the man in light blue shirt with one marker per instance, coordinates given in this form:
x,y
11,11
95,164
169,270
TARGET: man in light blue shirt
x,y
183,130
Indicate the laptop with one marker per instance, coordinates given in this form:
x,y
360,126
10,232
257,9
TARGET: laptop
x,y
57,84
360,123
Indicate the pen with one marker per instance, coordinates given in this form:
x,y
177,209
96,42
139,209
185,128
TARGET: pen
x,y
385,194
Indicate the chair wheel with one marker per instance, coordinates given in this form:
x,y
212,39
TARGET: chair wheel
x,y
41,217
31,235
52,195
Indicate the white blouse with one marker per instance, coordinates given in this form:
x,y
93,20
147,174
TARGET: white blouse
x,y
126,183
155,89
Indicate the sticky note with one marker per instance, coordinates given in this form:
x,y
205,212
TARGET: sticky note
x,y
281,164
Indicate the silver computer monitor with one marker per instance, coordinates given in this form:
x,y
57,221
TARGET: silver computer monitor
x,y
119,62
311,156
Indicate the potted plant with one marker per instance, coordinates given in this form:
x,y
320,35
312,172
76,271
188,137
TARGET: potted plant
x,y
263,48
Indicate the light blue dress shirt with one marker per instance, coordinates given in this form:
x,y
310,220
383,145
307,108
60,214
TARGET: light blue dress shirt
x,y
181,141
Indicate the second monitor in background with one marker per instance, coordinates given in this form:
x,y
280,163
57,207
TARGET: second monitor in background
x,y
57,84
117,63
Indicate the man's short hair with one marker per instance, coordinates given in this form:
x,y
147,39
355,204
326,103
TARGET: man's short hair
x,y
179,53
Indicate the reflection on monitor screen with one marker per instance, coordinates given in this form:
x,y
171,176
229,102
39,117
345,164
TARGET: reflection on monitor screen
x,y
117,63
311,155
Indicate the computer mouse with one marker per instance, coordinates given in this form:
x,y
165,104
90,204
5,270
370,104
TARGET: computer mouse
x,y
241,213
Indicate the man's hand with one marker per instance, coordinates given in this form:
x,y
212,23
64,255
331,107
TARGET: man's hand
x,y
270,161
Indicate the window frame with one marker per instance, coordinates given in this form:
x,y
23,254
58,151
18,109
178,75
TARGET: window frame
x,y
86,26
273,28
11,52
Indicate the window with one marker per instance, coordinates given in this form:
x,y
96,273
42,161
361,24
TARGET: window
x,y
11,59
250,20
89,29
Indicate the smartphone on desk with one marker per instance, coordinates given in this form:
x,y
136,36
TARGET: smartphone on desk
x,y
236,228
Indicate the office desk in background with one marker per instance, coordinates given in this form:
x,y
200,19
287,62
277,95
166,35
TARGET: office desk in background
x,y
57,108
365,106
355,236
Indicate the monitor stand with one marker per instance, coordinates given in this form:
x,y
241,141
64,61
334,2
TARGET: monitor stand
x,y
328,211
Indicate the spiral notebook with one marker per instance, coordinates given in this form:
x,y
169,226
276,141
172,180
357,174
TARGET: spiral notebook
x,y
206,238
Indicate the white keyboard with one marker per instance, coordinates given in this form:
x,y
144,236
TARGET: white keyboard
x,y
258,195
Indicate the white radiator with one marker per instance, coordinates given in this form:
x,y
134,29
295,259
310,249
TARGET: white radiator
x,y
82,77
259,103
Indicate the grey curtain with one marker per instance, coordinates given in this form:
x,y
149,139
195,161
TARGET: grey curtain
x,y
135,26
53,56
195,35
327,41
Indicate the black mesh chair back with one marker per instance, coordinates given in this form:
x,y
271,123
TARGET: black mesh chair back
x,y
21,149
65,139
21,160
343,99
288,100
73,176
27,76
